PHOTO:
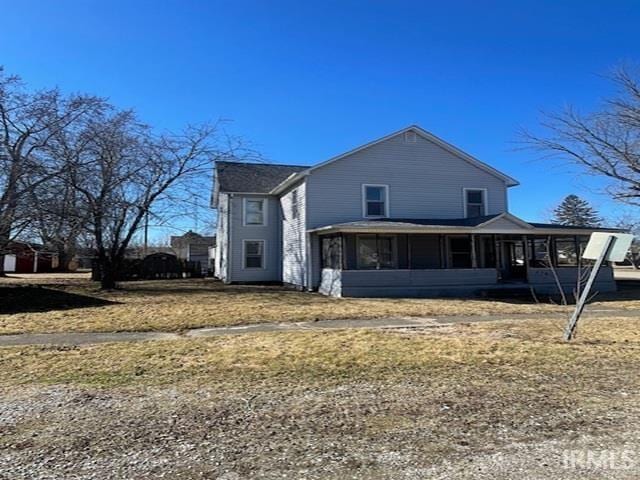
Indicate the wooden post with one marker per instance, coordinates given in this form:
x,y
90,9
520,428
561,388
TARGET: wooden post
x,y
525,243
474,257
442,239
570,330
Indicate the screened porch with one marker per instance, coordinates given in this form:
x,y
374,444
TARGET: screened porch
x,y
365,264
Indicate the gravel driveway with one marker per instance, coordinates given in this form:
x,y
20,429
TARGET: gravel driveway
x,y
70,433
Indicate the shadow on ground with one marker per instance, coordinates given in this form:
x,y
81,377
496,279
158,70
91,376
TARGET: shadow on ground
x,y
19,299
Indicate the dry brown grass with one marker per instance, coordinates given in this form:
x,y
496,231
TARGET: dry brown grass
x,y
178,305
514,348
182,304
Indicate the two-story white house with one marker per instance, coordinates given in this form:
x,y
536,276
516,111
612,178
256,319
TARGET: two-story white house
x,y
405,215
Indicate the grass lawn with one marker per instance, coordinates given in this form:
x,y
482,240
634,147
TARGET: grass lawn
x,y
462,401
74,304
71,303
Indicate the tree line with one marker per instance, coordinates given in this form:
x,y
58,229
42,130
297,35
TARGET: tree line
x,y
76,169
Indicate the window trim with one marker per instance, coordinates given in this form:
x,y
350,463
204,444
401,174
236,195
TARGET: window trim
x,y
265,209
485,199
264,254
364,200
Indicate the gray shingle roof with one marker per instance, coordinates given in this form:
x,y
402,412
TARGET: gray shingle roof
x,y
252,177
555,226
422,222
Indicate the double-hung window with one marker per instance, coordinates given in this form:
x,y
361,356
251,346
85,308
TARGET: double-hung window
x,y
475,202
375,201
254,254
255,212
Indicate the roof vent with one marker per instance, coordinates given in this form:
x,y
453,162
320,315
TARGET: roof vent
x,y
410,137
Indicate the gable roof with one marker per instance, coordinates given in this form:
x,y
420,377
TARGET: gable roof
x,y
242,177
510,181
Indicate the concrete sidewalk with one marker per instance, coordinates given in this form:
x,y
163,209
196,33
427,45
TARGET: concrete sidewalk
x,y
88,338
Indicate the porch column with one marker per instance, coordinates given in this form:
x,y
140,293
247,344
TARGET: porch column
x,y
474,257
498,255
527,260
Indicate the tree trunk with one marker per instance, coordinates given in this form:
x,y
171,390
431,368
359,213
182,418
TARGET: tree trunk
x,y
65,256
109,274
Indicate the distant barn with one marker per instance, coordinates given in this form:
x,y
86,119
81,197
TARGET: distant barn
x,y
23,257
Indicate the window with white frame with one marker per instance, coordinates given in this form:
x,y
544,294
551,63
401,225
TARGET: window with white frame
x,y
255,211
294,204
254,254
475,202
375,200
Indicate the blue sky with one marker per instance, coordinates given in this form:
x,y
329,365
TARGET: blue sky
x,y
304,81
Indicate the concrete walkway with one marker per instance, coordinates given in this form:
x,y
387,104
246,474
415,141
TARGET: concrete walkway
x,y
89,338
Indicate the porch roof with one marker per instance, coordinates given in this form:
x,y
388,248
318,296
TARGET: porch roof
x,y
503,223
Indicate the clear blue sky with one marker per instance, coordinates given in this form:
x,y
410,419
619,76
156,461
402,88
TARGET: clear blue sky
x,y
305,80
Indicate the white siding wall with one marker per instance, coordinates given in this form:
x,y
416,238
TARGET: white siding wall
x,y
425,181
222,238
270,233
294,242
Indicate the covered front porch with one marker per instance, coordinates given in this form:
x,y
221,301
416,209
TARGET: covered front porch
x,y
454,260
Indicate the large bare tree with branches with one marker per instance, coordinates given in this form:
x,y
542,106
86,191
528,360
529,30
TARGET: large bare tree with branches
x,y
605,143
124,172
28,123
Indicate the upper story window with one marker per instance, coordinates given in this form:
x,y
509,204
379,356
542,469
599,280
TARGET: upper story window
x,y
375,200
294,204
475,202
255,211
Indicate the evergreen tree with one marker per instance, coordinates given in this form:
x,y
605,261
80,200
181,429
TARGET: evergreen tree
x,y
576,212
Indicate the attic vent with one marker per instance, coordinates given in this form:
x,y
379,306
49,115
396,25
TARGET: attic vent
x,y
410,137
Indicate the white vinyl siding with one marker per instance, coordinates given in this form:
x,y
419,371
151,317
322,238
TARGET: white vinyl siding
x,y
222,239
424,179
269,233
294,241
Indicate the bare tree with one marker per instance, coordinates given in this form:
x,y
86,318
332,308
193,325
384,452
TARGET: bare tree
x,y
122,172
606,143
28,122
57,218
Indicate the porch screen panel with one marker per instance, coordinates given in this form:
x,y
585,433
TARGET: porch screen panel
x,y
374,252
538,252
403,253
460,251
367,251
566,251
425,251
332,252
485,251
350,252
